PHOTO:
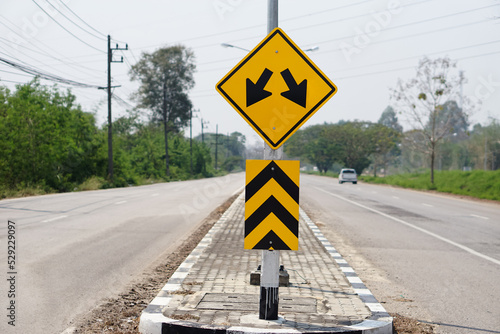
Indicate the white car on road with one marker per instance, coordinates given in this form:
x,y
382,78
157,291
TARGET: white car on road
x,y
348,175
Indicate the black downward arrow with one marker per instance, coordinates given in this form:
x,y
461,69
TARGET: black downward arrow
x,y
255,91
296,93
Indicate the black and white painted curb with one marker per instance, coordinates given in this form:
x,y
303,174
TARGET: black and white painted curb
x,y
380,321
152,318
154,322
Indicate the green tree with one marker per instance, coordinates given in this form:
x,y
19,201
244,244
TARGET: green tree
x,y
350,144
165,77
47,140
387,134
390,120
355,144
484,145
314,144
422,100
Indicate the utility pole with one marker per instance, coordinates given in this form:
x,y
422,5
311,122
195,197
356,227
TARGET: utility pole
x,y
269,279
485,151
110,124
165,125
462,91
191,139
202,127
216,143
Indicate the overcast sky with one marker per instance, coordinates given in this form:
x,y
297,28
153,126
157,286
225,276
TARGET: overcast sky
x,y
364,47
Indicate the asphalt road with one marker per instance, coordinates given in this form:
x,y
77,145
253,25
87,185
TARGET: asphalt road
x,y
74,250
435,258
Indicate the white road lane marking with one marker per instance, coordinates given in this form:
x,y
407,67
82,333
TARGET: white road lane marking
x,y
53,219
482,217
432,234
429,205
154,195
395,197
121,202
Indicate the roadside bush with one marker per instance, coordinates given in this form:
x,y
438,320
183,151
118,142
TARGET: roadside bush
x,y
479,184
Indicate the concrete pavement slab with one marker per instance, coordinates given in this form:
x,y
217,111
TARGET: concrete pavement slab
x,y
211,292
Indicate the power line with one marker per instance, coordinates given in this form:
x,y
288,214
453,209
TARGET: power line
x,y
391,61
122,101
412,67
374,42
69,32
76,24
88,25
310,25
423,55
385,29
15,73
45,75
76,66
40,51
356,16
10,81
414,23
408,36
254,26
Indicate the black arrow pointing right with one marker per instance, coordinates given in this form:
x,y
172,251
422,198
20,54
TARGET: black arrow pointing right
x,y
255,91
296,93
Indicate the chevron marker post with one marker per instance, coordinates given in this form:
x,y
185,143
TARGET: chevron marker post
x,y
272,204
271,221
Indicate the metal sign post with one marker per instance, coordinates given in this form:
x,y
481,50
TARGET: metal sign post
x,y
276,88
270,275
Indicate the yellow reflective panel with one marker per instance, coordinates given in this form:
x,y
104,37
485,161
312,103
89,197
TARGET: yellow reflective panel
x,y
276,88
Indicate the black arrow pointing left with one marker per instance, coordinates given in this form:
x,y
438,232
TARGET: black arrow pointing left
x,y
255,91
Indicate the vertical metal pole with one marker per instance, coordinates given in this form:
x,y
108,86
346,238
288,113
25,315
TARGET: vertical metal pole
x,y
216,144
110,125
272,15
269,279
202,138
165,127
191,140
485,151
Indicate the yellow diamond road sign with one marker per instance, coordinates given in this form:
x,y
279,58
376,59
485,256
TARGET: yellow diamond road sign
x,y
276,88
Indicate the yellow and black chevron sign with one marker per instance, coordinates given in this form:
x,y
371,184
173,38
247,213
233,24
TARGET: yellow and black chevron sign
x,y
272,204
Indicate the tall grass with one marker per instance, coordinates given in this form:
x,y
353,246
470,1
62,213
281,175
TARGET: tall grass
x,y
478,183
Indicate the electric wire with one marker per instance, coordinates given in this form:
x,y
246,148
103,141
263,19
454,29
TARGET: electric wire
x,y
77,66
357,16
76,24
306,26
256,26
417,22
410,36
16,73
69,32
40,51
213,93
88,25
411,67
45,75
387,28
384,41
376,42
10,81
419,56
122,101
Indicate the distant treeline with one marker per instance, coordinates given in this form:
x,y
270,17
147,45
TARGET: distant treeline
x,y
49,144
